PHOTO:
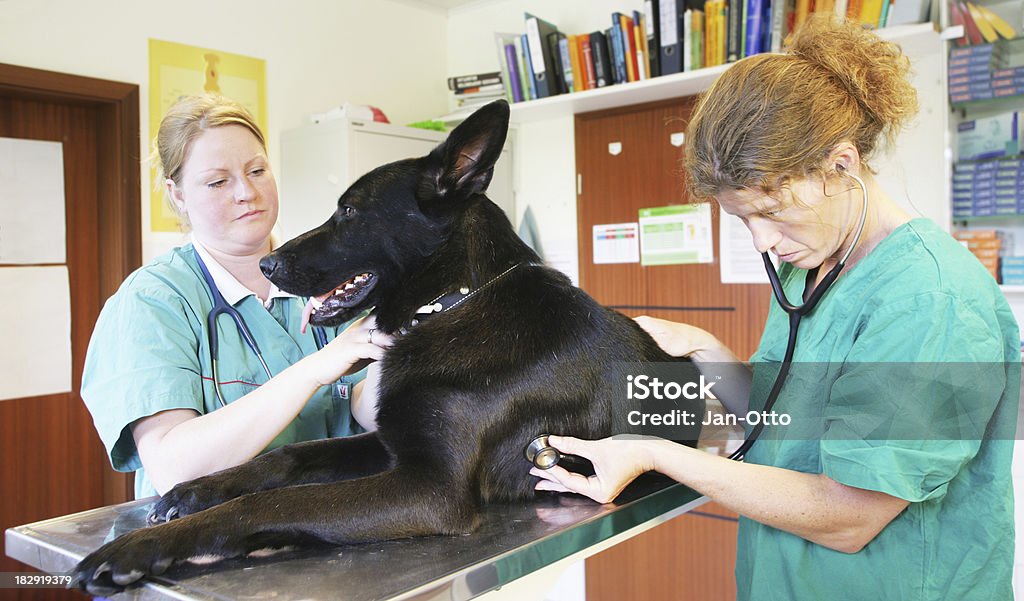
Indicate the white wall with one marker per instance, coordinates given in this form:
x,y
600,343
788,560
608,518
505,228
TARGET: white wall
x,y
471,46
384,53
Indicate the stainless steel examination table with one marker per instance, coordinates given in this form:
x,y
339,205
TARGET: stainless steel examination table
x,y
513,542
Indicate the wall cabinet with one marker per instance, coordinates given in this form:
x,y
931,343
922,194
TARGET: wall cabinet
x,y
321,160
987,106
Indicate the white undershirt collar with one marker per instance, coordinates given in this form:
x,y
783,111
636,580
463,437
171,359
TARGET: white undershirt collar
x,y
230,288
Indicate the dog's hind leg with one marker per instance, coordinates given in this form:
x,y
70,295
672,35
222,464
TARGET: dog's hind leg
x,y
401,503
312,462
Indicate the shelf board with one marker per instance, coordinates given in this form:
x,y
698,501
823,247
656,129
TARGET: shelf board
x,y
677,85
1014,290
1015,217
974,108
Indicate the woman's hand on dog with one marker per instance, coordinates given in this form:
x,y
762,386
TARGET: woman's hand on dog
x,y
616,464
349,352
684,340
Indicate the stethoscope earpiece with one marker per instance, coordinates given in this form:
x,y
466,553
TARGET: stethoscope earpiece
x,y
541,454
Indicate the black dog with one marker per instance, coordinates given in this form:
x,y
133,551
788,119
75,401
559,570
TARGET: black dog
x,y
514,351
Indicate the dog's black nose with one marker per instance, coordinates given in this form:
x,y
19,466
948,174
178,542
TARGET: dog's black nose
x,y
269,264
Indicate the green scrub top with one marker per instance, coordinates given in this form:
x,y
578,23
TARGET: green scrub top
x,y
150,352
919,298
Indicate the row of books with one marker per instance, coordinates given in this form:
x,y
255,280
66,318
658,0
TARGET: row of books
x,y
470,92
981,25
871,13
982,72
667,37
477,83
545,62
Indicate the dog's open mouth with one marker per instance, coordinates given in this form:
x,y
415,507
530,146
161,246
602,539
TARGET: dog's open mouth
x,y
326,308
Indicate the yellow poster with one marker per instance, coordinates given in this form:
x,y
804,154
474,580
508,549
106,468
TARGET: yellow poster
x,y
177,70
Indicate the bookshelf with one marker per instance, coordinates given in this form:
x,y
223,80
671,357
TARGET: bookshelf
x,y
677,85
664,87
1011,225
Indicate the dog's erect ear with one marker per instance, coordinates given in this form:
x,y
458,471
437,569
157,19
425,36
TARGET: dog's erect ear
x,y
467,157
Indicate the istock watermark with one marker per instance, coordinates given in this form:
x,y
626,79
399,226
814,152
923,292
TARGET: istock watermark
x,y
648,387
838,401
678,417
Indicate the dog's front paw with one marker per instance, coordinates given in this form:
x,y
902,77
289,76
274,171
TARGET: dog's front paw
x,y
122,562
190,497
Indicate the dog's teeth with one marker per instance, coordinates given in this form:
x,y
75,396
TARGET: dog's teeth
x,y
338,291
316,303
349,286
361,278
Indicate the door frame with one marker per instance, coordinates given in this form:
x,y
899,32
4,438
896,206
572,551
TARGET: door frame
x,y
119,194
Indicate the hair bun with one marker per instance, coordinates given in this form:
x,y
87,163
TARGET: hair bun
x,y
873,71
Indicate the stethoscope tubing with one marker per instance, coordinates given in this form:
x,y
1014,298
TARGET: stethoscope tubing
x,y
221,307
796,313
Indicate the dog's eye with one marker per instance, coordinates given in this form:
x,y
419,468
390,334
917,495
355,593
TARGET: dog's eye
x,y
347,212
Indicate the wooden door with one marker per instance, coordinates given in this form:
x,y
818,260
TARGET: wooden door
x,y
51,460
693,556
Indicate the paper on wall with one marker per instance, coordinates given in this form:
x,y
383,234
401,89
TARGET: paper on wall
x,y
740,261
676,234
32,226
616,243
36,321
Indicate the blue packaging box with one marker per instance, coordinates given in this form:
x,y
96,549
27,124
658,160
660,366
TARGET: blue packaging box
x,y
993,60
988,137
970,167
974,77
978,49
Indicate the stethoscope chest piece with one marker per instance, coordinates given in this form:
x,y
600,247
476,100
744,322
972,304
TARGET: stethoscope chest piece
x,y
541,454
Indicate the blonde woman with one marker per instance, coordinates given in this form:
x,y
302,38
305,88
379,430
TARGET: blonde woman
x,y
148,378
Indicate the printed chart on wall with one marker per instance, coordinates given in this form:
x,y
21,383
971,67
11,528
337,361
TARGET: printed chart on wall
x,y
33,270
616,243
177,70
676,235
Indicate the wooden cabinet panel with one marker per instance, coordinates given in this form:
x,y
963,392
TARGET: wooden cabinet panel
x,y
693,556
648,172
690,557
